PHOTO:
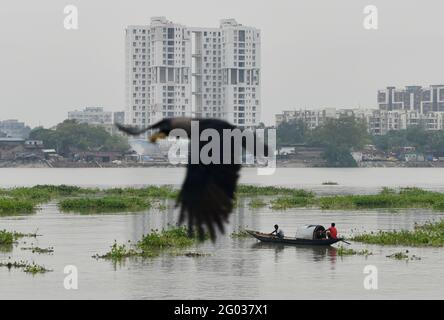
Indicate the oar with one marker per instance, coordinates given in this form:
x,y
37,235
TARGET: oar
x,y
345,241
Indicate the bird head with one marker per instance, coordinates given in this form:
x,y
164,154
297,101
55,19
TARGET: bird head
x,y
164,128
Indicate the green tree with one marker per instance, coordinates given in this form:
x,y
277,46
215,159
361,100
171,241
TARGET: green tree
x,y
339,137
70,136
291,132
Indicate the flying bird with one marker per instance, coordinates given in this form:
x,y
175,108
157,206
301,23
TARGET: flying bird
x,y
207,194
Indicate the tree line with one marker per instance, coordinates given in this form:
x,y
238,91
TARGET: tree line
x,y
339,137
69,137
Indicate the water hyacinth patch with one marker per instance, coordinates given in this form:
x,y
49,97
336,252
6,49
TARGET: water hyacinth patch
x,y
104,204
427,235
171,241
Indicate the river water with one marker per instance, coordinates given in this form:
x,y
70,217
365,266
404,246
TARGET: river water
x,y
235,268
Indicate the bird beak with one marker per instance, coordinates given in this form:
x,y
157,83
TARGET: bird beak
x,y
159,135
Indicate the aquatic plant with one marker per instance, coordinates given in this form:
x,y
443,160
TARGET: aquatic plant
x,y
39,250
159,192
10,237
427,235
342,251
330,183
34,268
257,203
104,204
27,267
6,238
251,190
398,256
118,252
405,198
196,254
290,202
240,233
171,241
9,206
171,238
162,207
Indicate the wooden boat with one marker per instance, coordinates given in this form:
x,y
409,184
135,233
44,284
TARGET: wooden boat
x,y
265,237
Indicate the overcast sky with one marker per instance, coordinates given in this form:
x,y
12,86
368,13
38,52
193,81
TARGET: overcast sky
x,y
314,53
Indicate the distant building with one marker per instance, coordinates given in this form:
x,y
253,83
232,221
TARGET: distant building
x,y
14,129
173,70
412,98
383,121
92,115
12,149
97,116
316,117
119,117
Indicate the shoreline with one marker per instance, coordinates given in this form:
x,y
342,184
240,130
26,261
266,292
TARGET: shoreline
x,y
280,164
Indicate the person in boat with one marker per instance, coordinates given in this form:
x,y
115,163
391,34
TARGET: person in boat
x,y
332,232
278,231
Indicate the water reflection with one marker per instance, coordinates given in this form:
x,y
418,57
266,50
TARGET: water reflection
x,y
314,253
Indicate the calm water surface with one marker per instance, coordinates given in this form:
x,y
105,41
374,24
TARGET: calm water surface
x,y
236,268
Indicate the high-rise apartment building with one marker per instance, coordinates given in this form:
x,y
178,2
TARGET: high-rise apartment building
x,y
158,72
412,98
173,70
227,73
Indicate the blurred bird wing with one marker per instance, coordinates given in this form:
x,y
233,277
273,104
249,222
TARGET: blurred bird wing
x,y
132,130
207,196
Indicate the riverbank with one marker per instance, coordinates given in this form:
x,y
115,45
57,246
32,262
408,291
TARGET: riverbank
x,y
163,164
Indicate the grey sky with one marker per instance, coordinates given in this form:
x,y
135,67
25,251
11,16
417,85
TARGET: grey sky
x,y
314,53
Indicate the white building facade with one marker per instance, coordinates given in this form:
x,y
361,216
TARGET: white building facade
x,y
96,116
158,72
173,70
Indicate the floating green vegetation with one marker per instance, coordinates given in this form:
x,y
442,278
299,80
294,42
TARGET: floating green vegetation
x,y
38,250
171,238
330,183
11,206
44,193
6,238
403,256
342,251
284,203
171,241
427,235
159,192
196,254
257,203
10,237
387,198
250,190
162,207
27,267
104,204
118,252
240,234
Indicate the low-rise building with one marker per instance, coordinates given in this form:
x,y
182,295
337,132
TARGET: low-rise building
x,y
97,116
14,129
315,117
12,149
